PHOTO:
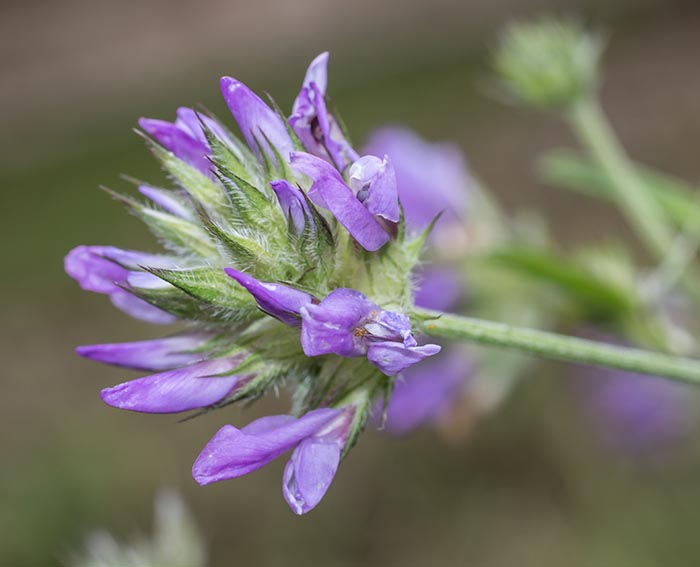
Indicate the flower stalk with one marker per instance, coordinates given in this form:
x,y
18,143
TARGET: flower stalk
x,y
558,347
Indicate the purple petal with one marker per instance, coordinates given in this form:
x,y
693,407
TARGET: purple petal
x,y
334,142
180,141
140,309
438,288
92,271
256,120
309,473
431,177
292,203
333,325
192,121
183,389
328,190
232,452
374,182
425,392
392,357
280,301
154,355
166,201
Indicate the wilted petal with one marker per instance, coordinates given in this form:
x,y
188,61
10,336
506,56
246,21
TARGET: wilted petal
x,y
393,357
330,191
257,121
280,301
374,182
334,325
183,389
292,203
309,473
235,452
154,355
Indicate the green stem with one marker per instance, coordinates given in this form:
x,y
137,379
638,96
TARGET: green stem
x,y
560,347
636,203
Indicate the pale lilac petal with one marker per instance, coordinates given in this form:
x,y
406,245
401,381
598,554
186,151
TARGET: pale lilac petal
x,y
257,121
192,121
280,301
293,204
392,357
182,389
155,355
329,191
139,309
431,177
374,182
233,452
166,201
309,473
332,325
438,288
92,271
334,142
425,392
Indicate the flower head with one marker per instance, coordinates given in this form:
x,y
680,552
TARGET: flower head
x,y
287,266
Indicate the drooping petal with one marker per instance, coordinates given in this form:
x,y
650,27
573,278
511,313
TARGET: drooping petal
x,y
309,473
425,392
330,191
335,325
280,301
235,452
374,182
182,389
392,357
293,204
257,121
155,355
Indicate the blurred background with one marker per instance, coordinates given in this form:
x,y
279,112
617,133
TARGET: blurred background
x,y
532,485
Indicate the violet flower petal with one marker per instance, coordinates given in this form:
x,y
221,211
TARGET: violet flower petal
x,y
182,389
154,355
235,452
166,201
329,190
374,182
256,120
392,357
279,301
332,325
180,141
139,309
309,473
438,288
292,203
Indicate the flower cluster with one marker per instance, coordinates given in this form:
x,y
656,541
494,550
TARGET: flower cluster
x,y
288,262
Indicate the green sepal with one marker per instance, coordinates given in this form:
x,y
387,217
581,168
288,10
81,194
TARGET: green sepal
x,y
176,234
254,208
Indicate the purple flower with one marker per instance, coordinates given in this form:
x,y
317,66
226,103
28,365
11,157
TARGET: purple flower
x,y
157,354
317,439
318,130
348,324
293,204
438,288
279,301
259,124
426,392
635,413
328,190
374,183
107,270
185,137
182,389
431,178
